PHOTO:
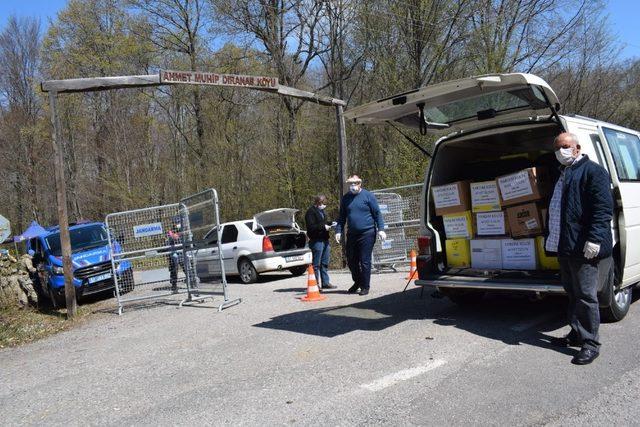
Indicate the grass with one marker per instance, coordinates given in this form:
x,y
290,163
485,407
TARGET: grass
x,y
23,325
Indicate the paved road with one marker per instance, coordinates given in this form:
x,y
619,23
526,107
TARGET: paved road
x,y
388,358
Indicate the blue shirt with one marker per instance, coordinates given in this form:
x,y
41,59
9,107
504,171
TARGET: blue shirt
x,y
360,212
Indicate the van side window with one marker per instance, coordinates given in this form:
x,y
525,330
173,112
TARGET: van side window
x,y
625,148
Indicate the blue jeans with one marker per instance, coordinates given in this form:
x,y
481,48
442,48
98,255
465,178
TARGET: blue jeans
x,y
321,251
359,249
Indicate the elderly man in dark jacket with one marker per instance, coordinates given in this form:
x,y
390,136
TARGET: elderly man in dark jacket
x,y
579,224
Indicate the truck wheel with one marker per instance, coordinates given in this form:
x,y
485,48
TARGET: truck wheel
x,y
463,297
620,298
248,273
56,301
299,270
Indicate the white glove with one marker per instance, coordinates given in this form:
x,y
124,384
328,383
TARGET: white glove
x,y
327,227
591,250
382,235
338,236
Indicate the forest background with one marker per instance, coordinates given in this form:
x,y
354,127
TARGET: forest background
x,y
127,149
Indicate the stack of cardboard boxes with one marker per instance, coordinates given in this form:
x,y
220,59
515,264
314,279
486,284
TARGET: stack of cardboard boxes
x,y
497,224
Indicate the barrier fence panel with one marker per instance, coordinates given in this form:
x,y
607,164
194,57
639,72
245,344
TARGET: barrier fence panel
x,y
400,207
145,253
202,251
154,250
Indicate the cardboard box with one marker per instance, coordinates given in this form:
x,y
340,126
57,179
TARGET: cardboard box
x,y
546,262
491,224
484,196
524,220
458,253
458,225
520,187
486,254
519,254
451,198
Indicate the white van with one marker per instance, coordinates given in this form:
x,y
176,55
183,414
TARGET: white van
x,y
486,122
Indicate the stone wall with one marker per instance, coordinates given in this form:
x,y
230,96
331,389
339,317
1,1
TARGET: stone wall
x,y
16,286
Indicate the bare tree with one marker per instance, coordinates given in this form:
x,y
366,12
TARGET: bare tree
x,y
19,61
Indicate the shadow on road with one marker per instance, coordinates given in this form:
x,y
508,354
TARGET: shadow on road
x,y
511,320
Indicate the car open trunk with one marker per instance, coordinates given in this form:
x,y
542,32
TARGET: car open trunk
x,y
281,227
484,156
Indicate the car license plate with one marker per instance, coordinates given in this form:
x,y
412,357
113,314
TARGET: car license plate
x,y
294,258
99,278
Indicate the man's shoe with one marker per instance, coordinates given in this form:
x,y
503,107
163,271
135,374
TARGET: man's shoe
x,y
566,341
329,286
364,291
585,356
353,289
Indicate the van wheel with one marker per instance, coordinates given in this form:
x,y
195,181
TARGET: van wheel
x,y
463,297
620,303
620,298
248,273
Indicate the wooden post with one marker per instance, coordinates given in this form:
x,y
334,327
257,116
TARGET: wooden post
x,y
63,221
343,164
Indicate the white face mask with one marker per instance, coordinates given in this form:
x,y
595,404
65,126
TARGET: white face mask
x,y
565,156
354,188
322,207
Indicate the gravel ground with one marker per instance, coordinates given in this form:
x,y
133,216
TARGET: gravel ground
x,y
387,358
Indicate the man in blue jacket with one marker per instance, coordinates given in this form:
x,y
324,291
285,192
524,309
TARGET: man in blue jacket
x,y
579,224
360,212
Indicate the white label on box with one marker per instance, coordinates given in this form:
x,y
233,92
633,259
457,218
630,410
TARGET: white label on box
x,y
484,193
515,185
456,226
386,244
519,254
446,196
531,224
490,224
486,254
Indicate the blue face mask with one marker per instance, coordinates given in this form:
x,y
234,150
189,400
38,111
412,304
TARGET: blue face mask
x,y
354,188
322,207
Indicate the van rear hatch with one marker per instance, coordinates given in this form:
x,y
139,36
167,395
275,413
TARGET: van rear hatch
x,y
463,105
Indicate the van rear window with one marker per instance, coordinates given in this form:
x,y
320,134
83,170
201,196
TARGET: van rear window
x,y
625,148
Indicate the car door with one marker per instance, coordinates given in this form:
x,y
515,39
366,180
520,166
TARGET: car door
x,y
624,148
229,246
208,261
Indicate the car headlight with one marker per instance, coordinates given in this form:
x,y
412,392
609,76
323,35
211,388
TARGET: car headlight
x,y
57,270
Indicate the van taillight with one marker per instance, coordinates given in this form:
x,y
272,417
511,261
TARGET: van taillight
x,y
267,246
424,245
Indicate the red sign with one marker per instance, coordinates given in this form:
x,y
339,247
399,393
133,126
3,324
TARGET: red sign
x,y
215,79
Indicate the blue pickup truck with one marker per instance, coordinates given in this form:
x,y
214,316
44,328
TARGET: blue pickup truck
x,y
92,269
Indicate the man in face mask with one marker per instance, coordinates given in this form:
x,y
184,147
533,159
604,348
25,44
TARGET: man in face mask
x,y
579,231
360,213
318,233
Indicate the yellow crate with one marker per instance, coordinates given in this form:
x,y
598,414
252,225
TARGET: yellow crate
x,y
546,262
458,253
458,225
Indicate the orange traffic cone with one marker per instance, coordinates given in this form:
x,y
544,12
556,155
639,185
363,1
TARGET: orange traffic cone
x,y
313,293
413,266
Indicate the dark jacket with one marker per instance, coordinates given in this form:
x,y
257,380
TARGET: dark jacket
x,y
315,220
587,209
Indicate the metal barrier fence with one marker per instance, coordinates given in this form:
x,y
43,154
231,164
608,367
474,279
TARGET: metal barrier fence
x,y
154,251
202,251
400,207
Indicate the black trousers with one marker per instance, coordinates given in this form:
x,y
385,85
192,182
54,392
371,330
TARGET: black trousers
x,y
359,249
581,280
